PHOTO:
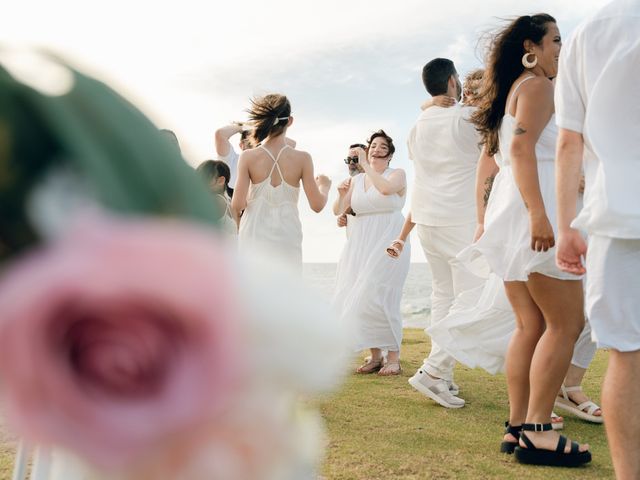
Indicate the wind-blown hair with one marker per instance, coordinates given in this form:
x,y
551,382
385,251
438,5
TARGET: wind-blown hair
x,y
503,67
471,86
269,115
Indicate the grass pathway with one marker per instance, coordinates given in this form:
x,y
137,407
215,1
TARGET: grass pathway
x,y
380,428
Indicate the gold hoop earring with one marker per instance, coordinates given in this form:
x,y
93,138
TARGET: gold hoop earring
x,y
529,64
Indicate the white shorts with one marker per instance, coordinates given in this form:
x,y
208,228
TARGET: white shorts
x,y
613,292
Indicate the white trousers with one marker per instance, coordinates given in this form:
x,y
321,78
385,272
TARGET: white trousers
x,y
584,349
449,279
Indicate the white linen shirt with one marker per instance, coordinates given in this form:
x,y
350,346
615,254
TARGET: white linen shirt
x,y
443,145
598,95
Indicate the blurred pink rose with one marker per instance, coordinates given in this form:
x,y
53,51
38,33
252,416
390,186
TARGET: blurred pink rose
x,y
119,338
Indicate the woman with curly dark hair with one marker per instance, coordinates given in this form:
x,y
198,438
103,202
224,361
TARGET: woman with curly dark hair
x,y
369,282
515,117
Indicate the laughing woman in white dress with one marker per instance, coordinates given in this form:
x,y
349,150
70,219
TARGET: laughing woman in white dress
x,y
369,282
268,185
515,117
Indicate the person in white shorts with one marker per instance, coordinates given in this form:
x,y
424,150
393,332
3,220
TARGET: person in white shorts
x,y
443,145
598,112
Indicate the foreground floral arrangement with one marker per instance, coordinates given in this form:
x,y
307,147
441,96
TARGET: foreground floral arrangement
x,y
134,344
138,346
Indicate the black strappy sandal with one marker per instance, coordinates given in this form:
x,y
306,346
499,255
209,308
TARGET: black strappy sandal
x,y
509,447
555,458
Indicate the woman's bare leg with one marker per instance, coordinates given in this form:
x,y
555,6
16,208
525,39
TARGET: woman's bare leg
x,y
529,329
561,303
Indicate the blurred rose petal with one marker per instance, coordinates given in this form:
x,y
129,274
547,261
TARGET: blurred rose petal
x,y
119,335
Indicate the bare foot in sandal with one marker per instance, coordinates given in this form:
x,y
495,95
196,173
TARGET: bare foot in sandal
x,y
540,445
391,368
549,441
370,366
573,400
395,249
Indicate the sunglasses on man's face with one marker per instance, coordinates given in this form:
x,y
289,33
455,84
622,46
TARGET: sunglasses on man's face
x,y
349,160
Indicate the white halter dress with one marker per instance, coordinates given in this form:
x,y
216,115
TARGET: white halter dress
x,y
226,221
368,281
271,220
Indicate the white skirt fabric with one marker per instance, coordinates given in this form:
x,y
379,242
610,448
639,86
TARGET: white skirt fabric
x,y
369,282
506,242
271,223
478,327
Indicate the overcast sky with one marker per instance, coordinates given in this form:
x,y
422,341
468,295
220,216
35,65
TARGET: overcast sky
x,y
349,67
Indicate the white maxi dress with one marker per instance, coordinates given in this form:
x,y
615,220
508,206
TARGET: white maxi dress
x,y
271,221
368,281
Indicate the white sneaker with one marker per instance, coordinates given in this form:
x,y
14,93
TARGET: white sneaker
x,y
454,389
436,389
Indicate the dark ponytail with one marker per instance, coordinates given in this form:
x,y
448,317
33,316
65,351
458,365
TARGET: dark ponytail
x,y
269,116
210,169
503,67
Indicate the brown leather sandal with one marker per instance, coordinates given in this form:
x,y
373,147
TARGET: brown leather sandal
x,y
370,366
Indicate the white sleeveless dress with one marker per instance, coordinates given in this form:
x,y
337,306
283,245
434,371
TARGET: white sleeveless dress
x,y
481,321
506,242
271,220
226,221
368,281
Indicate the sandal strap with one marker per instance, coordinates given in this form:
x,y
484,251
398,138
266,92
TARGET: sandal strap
x,y
575,448
370,365
527,442
576,388
537,427
592,407
562,442
564,391
394,365
515,431
397,240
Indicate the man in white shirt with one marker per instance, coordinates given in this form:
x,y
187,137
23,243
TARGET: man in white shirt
x,y
598,112
443,145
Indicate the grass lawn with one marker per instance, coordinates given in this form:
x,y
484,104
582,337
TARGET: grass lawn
x,y
7,451
380,428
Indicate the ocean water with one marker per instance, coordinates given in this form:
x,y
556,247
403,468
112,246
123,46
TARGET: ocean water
x,y
416,296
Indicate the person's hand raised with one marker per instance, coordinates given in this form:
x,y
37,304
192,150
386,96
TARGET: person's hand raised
x,y
323,182
343,187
